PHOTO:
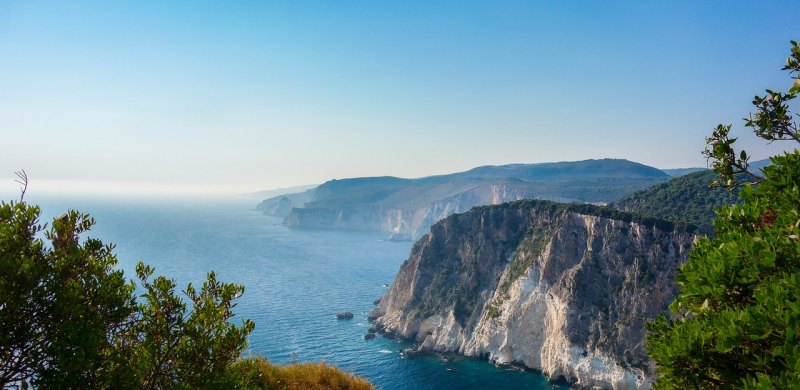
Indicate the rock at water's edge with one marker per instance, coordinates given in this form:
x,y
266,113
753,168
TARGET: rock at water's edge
x,y
345,315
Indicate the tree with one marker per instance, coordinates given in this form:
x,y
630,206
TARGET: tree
x,y
736,320
171,349
69,319
771,122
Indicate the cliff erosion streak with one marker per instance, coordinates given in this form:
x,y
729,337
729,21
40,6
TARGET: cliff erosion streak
x,y
564,289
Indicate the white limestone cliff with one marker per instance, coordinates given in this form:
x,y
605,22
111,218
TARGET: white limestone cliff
x,y
556,288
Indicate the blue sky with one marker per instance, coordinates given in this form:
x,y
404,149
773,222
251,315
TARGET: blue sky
x,y
244,96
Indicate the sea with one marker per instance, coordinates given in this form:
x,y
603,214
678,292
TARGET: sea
x,y
296,280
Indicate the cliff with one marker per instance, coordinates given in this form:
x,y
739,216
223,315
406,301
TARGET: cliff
x,y
565,289
406,208
403,222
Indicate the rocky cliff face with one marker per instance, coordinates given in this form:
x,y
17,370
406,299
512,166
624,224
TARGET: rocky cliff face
x,y
406,208
403,223
558,288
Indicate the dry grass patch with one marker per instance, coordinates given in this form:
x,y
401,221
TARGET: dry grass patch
x,y
259,373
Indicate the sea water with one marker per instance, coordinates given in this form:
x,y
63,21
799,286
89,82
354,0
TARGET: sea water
x,y
296,281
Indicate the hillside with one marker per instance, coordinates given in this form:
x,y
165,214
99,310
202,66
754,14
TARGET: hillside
x,y
687,198
405,208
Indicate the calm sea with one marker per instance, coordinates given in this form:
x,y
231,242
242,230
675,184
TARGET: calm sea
x,y
296,280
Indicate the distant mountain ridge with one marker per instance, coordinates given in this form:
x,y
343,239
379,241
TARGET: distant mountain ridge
x,y
675,172
565,170
405,208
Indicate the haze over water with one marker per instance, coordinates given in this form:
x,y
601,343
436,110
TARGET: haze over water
x,y
296,280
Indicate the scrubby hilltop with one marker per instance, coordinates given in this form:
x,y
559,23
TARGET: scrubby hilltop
x,y
687,198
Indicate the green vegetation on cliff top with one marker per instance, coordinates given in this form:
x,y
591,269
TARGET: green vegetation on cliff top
x,y
688,199
598,211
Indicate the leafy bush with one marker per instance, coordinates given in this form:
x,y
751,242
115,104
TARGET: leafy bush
x,y
736,320
738,313
69,319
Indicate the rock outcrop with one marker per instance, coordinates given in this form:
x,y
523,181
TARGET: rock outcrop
x,y
344,315
564,289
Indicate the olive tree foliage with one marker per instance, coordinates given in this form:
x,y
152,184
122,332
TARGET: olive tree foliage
x,y
736,320
173,349
771,122
70,319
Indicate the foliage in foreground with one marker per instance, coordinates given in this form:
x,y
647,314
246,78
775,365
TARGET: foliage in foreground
x,y
736,320
69,319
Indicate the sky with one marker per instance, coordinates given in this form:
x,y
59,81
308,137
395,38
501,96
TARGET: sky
x,y
246,96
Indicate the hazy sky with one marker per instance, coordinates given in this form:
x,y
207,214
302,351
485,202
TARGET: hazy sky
x,y
245,96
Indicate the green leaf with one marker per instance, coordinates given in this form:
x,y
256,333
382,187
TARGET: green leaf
x,y
795,88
